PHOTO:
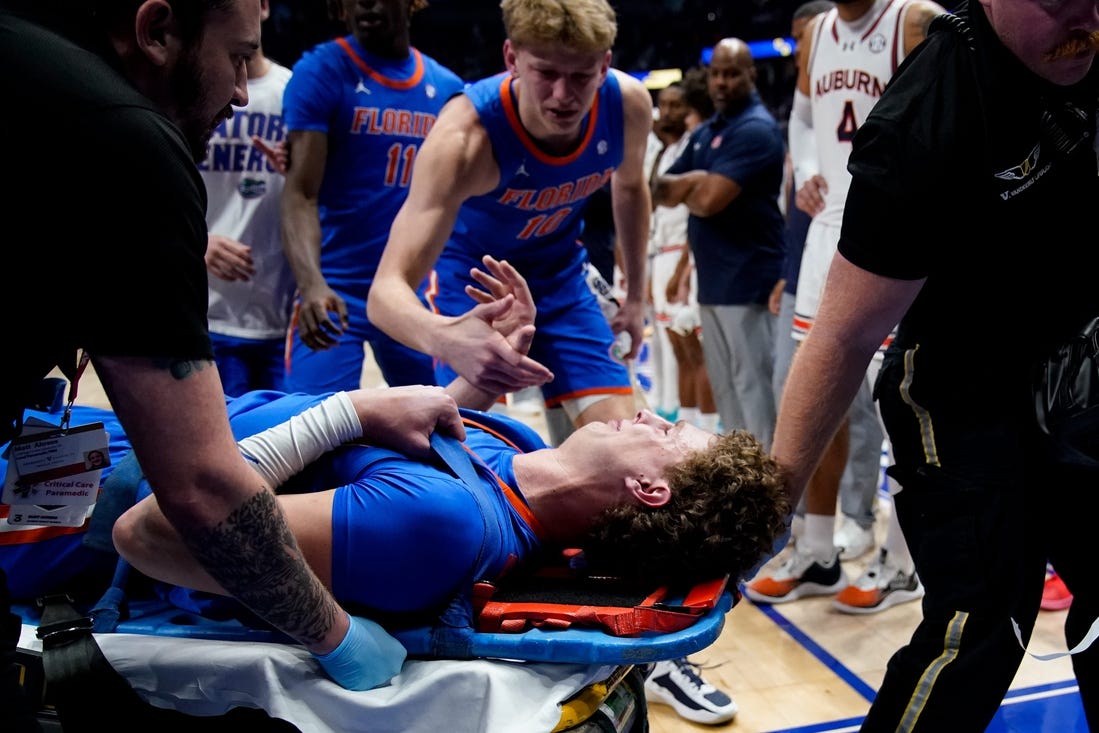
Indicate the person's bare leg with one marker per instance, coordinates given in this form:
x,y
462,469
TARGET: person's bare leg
x,y
705,394
694,380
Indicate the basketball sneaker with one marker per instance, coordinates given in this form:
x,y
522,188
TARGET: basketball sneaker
x,y
677,683
1055,595
800,576
882,585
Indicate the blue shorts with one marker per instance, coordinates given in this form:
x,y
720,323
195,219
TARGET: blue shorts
x,y
248,364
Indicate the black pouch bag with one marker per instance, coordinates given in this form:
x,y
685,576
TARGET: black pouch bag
x,y
1066,397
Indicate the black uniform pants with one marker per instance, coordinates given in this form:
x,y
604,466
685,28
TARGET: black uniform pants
x,y
983,507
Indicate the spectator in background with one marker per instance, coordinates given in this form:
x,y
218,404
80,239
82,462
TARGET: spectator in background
x,y
730,178
673,281
663,258
696,87
357,110
251,285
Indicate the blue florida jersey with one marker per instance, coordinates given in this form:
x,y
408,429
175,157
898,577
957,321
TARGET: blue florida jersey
x,y
533,216
406,535
376,113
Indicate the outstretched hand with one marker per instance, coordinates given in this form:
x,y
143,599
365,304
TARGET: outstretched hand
x,y
485,358
516,323
403,418
488,344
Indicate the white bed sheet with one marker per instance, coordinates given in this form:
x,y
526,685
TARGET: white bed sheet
x,y
203,677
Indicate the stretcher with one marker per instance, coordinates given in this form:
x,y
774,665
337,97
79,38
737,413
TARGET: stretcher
x,y
127,660
538,681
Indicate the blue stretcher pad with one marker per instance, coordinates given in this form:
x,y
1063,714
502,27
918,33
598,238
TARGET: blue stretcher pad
x,y
155,617
198,666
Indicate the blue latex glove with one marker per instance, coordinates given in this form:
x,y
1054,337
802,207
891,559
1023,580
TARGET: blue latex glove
x,y
366,658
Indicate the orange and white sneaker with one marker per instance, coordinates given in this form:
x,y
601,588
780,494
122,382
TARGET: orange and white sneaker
x,y
800,576
882,585
1055,595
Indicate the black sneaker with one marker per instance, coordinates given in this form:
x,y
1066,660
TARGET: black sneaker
x,y
676,682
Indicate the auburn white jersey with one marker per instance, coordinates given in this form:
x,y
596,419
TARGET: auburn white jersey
x,y
848,67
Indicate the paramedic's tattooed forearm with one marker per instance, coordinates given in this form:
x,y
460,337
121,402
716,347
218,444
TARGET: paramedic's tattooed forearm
x,y
183,368
254,556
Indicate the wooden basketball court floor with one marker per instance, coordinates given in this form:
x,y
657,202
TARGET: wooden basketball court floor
x,y
803,667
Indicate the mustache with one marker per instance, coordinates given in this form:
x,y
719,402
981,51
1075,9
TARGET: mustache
x,y
1079,42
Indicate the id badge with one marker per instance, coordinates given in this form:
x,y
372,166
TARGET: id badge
x,y
50,467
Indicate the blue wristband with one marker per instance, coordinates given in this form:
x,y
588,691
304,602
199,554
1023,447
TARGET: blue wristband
x,y
366,658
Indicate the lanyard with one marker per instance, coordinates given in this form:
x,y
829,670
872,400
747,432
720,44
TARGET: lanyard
x,y
81,365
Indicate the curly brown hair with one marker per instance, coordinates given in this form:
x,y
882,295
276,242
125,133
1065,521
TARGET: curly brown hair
x,y
728,506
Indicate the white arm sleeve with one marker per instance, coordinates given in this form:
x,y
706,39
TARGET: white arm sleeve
x,y
282,451
802,142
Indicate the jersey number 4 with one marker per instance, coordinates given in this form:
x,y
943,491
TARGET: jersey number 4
x,y
845,130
